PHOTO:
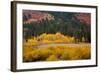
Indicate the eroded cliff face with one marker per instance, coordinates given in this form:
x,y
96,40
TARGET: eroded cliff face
x,y
84,18
30,16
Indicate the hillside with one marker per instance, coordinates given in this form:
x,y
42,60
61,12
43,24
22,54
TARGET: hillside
x,y
73,24
30,16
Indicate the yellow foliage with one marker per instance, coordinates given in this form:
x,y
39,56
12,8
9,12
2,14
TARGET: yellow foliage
x,y
46,41
52,58
32,42
58,41
32,53
44,53
55,53
50,38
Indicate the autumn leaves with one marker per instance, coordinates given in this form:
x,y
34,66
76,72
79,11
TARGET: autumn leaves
x,y
68,51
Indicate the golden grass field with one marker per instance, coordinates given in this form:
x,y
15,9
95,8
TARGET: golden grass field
x,y
55,53
54,47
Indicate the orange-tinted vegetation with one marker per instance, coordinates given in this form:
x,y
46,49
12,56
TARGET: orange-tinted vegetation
x,y
33,52
56,53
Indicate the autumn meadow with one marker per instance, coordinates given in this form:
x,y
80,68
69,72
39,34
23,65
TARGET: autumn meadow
x,y
56,36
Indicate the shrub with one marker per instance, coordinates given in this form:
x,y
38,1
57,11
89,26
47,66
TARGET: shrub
x,y
55,53
52,58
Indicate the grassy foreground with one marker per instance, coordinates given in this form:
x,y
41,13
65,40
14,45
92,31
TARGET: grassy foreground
x,y
55,53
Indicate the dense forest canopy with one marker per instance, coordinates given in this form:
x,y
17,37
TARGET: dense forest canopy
x,y
73,24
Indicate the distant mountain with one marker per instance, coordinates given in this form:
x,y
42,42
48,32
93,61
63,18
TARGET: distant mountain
x,y
83,18
30,16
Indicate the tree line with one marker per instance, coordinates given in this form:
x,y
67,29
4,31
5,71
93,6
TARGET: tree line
x,y
63,23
